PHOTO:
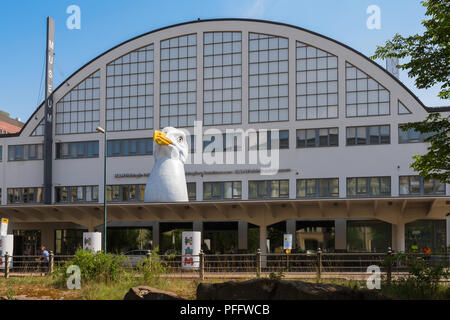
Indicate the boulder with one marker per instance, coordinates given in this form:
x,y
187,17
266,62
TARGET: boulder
x,y
267,289
149,293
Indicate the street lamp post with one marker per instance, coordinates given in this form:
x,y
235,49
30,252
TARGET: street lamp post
x,y
103,131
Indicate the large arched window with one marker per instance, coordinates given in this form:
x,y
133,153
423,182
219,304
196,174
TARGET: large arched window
x,y
268,78
79,110
129,91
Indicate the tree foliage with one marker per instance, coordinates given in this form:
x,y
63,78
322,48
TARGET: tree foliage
x,y
436,163
429,53
429,64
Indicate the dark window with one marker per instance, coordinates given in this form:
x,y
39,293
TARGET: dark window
x,y
368,135
24,195
411,135
265,143
369,187
315,188
129,147
268,189
222,190
125,193
77,150
76,194
324,137
25,152
192,192
417,185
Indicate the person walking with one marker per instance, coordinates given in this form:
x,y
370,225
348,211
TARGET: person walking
x,y
45,259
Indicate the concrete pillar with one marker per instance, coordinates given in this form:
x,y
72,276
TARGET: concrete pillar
x,y
155,234
398,237
242,235
448,232
291,228
263,244
340,235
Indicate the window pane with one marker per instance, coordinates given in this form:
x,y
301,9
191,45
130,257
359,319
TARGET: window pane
x,y
274,189
414,183
310,138
252,189
404,185
323,188
374,187
323,137
284,188
428,186
361,186
301,188
311,187
361,135
351,187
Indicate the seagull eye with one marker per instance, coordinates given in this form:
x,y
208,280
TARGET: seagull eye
x,y
180,139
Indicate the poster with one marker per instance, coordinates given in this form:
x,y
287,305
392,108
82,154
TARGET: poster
x,y
4,227
287,242
6,245
190,249
92,241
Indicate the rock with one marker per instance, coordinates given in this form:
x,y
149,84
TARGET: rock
x,y
149,293
266,289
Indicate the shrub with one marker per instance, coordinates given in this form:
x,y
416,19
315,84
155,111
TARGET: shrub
x,y
151,268
424,277
94,267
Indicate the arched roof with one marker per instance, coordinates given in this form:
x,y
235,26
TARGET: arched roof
x,y
428,109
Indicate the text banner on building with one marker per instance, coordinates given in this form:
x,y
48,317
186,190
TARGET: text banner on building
x,y
190,258
6,246
92,241
48,118
287,243
4,227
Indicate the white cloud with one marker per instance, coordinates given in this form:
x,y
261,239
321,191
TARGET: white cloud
x,y
257,9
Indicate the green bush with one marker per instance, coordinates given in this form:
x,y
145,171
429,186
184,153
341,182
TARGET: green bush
x,y
95,267
423,280
152,268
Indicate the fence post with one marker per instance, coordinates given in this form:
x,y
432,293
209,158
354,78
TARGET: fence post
x,y
202,265
148,255
389,266
7,257
51,263
319,264
258,263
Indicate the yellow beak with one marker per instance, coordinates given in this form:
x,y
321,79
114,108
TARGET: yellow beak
x,y
160,138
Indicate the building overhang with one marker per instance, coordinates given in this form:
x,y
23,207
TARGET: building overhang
x,y
259,212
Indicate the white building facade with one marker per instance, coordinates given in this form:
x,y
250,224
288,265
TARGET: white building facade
x,y
344,165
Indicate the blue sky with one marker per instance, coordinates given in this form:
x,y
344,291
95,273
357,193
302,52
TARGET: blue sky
x,y
105,24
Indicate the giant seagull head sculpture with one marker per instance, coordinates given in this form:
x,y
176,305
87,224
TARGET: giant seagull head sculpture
x,y
167,181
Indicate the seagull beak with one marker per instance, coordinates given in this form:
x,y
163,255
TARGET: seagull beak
x,y
160,138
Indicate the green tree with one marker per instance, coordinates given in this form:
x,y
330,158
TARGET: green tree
x,y
435,163
429,64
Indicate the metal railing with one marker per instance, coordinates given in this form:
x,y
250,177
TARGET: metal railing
x,y
317,264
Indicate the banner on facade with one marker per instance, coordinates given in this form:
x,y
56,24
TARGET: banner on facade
x,y
6,246
287,243
4,227
191,243
92,241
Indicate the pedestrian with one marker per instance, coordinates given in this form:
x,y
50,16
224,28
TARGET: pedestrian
x,y
427,253
45,259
